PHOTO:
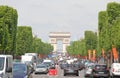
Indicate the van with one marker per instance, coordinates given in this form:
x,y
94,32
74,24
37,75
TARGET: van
x,y
6,64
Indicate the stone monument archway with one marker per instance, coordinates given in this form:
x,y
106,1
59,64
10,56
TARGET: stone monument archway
x,y
62,36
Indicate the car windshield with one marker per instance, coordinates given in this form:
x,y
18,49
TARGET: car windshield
x,y
1,63
47,63
22,68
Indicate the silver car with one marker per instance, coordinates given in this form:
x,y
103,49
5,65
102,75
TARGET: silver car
x,y
88,70
41,68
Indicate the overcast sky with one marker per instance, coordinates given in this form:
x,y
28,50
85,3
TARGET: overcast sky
x,y
44,16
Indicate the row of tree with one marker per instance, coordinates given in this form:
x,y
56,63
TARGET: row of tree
x,y
18,40
108,34
109,27
82,46
27,43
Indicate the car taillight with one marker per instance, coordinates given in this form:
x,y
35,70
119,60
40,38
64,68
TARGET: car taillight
x,y
113,70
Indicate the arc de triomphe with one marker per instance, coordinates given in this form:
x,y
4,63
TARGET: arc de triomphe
x,y
62,36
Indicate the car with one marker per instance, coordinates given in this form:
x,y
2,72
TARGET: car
x,y
21,70
115,70
100,70
31,66
79,64
71,69
63,65
41,68
88,70
50,63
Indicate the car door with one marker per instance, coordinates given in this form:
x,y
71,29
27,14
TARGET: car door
x,y
8,68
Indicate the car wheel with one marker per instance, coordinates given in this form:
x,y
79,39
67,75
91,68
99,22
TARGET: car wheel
x,y
64,74
36,73
77,74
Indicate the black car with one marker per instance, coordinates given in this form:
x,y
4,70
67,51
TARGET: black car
x,y
63,65
21,70
100,70
80,65
71,69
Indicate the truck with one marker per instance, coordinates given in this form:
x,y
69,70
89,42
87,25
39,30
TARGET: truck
x,y
6,66
30,57
25,58
35,56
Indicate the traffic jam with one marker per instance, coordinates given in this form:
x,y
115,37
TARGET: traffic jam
x,y
31,66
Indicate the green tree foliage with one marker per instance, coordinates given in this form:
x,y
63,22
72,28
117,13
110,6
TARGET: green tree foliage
x,y
90,40
40,47
37,45
115,33
77,47
104,31
81,46
113,10
108,26
47,48
24,40
8,25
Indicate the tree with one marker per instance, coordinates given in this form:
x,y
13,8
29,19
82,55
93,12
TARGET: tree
x,y
24,40
115,33
47,48
37,45
113,11
104,31
77,48
8,25
90,40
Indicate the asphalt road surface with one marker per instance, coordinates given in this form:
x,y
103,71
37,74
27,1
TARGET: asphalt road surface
x,y
59,75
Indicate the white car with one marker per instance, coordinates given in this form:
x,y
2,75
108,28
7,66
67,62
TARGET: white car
x,y
115,70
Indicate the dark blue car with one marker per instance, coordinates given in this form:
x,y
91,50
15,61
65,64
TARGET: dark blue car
x,y
21,70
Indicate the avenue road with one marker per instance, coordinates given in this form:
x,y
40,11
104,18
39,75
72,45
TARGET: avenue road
x,y
59,75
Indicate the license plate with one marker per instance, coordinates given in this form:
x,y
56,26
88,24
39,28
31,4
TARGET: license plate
x,y
71,71
101,72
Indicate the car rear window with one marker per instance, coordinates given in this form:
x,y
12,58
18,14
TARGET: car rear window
x,y
101,66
